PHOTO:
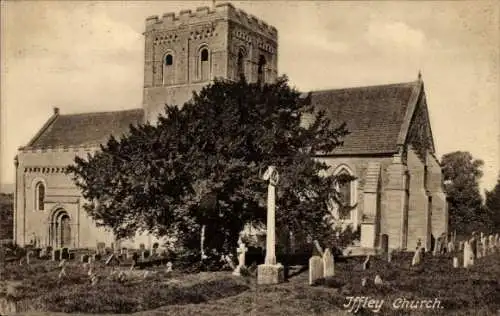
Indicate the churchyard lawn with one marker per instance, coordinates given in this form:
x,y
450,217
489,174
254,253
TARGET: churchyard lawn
x,y
472,291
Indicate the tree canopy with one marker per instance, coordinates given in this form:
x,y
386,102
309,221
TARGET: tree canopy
x,y
492,205
201,165
461,175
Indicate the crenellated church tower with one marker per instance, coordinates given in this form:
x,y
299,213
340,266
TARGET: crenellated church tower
x,y
187,51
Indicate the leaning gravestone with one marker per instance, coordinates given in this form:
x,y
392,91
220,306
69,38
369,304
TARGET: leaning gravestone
x,y
315,269
366,263
328,264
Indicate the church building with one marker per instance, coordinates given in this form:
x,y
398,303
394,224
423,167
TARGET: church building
x,y
390,150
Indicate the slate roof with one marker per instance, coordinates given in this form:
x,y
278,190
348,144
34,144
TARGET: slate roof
x,y
376,116
86,129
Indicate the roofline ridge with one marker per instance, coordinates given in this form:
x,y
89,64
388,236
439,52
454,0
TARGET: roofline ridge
x,y
409,83
410,110
42,130
102,112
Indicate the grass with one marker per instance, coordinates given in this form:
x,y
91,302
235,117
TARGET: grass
x,y
473,291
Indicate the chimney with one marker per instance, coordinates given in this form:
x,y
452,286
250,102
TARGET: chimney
x,y
56,111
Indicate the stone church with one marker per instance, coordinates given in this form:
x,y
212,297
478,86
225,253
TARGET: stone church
x,y
398,187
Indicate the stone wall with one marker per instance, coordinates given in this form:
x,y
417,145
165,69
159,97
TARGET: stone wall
x,y
418,211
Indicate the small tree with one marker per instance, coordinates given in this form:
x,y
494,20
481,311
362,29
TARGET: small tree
x,y
200,167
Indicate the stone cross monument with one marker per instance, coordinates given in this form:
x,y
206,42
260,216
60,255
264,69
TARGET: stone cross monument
x,y
270,272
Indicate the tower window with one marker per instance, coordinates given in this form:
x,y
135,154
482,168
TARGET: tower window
x,y
168,72
39,196
204,64
241,64
204,54
169,60
260,69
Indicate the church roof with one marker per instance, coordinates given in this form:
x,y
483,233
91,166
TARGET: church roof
x,y
377,117
85,129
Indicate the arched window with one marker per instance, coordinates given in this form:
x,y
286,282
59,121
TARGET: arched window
x,y
261,69
204,64
240,72
168,69
346,187
39,196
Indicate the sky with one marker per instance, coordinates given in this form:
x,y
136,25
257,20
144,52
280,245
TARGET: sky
x,y
87,56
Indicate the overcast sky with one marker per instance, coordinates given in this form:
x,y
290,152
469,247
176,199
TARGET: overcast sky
x,y
88,56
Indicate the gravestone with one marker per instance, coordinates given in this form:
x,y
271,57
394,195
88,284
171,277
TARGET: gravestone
x,y
366,263
384,242
468,255
473,246
29,254
169,267
363,281
65,253
461,246
328,264
389,256
112,260
84,258
491,243
451,246
485,246
101,246
56,254
62,273
417,257
378,280
315,269
43,253
455,262
241,251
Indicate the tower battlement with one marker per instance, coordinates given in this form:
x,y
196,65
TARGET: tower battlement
x,y
223,11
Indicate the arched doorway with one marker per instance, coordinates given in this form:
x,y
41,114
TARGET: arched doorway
x,y
60,229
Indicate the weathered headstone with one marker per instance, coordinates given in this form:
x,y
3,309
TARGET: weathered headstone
x,y
29,254
64,253
389,256
473,246
455,262
56,254
84,258
315,269
363,281
169,267
485,246
451,246
468,255
491,243
366,263
417,257
461,246
112,260
328,264
378,280
241,251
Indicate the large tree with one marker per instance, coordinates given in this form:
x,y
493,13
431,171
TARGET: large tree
x,y
200,166
461,173
492,205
